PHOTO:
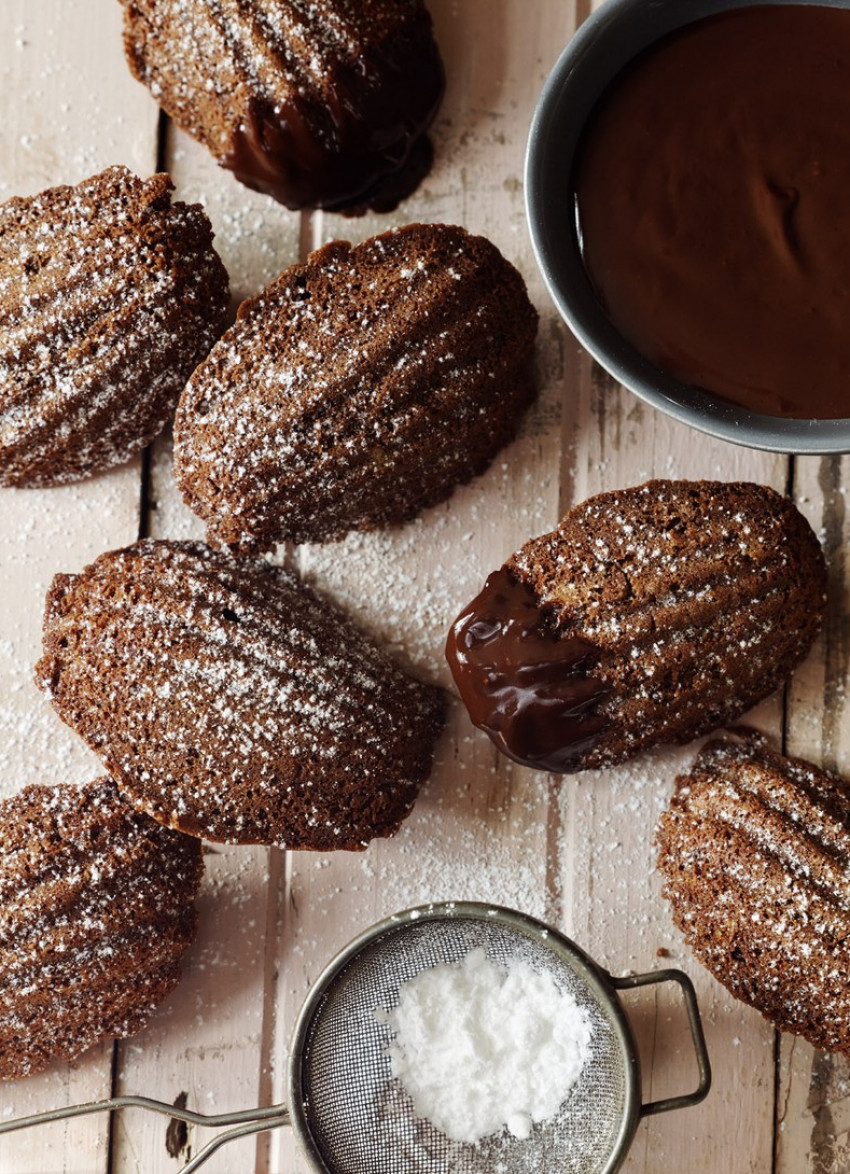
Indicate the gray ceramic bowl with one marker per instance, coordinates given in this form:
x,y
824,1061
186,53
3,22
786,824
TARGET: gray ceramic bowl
x,y
606,42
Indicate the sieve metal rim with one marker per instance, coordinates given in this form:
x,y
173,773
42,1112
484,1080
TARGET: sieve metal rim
x,y
602,984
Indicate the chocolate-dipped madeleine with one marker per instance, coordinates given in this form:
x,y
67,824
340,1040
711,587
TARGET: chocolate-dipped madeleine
x,y
320,105
651,615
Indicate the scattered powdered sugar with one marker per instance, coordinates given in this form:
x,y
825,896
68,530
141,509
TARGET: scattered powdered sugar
x,y
42,532
479,1046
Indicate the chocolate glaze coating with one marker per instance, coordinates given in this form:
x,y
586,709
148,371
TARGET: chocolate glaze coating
x,y
533,693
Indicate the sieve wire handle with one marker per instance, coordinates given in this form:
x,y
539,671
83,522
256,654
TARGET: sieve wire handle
x,y
239,1124
685,1100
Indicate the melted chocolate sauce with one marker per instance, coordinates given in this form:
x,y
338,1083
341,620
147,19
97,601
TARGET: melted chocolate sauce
x,y
529,688
711,200
360,146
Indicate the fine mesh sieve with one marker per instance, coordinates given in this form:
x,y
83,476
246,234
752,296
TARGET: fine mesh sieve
x,y
352,1117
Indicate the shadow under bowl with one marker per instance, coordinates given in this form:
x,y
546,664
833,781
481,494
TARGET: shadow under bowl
x,y
606,42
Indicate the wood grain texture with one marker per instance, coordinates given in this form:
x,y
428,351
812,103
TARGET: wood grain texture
x,y
615,895
614,907
481,829
211,1043
576,851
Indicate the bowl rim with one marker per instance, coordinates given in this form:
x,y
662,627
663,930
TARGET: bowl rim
x,y
611,36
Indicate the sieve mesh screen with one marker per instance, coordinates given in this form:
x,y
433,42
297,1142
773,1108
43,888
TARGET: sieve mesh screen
x,y
360,1118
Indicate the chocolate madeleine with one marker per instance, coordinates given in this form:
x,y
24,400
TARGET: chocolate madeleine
x,y
320,105
755,855
109,297
228,701
96,913
357,389
651,615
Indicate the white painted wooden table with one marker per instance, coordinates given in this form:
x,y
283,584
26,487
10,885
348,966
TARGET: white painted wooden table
x,y
577,852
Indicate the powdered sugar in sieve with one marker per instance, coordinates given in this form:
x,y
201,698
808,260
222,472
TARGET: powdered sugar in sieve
x,y
479,1047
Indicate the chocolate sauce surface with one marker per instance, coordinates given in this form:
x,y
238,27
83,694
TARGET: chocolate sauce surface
x,y
528,687
711,198
361,147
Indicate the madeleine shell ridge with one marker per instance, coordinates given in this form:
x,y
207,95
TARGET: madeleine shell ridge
x,y
358,389
229,701
96,914
110,294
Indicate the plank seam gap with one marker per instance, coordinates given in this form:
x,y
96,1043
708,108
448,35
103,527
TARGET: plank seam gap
x,y
110,1117
162,125
777,1046
270,1060
146,504
306,237
552,882
792,475
777,1089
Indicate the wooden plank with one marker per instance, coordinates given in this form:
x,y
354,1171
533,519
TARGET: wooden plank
x,y
481,829
612,902
204,1046
612,894
603,444
210,1042
71,110
813,1112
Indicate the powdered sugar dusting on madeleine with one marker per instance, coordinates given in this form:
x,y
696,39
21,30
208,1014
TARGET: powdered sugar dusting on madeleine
x,y
357,389
230,702
109,296
755,853
96,912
